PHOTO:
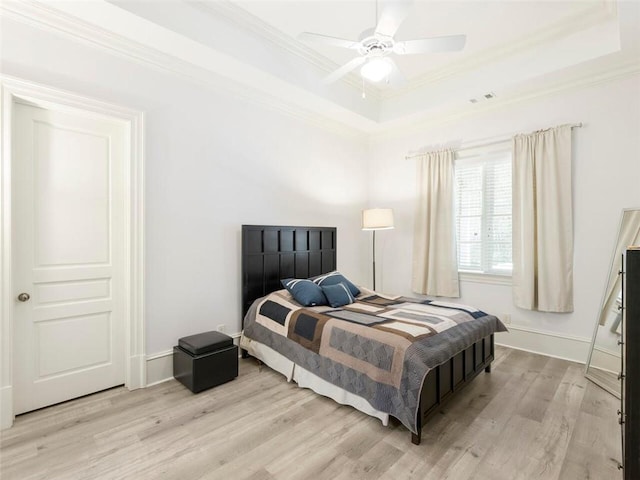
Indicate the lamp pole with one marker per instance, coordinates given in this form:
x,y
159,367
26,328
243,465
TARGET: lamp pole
x,y
374,260
376,219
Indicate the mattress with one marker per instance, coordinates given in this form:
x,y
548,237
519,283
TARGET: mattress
x,y
378,349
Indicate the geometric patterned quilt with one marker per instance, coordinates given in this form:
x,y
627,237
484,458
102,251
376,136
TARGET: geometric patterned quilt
x,y
380,348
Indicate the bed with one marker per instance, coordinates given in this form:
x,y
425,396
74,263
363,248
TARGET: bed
x,y
384,355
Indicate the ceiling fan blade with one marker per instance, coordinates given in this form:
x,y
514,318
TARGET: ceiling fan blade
x,y
395,79
449,43
325,40
392,15
343,70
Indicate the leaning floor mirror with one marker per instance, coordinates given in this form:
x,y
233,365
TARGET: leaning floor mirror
x,y
604,364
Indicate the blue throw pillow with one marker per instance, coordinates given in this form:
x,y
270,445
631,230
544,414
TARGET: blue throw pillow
x,y
305,292
338,295
334,278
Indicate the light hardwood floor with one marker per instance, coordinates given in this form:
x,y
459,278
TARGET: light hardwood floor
x,y
533,417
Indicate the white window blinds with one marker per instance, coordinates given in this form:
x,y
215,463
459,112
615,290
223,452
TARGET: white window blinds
x,y
483,213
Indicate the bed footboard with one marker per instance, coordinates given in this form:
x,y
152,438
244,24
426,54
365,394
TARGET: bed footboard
x,y
445,381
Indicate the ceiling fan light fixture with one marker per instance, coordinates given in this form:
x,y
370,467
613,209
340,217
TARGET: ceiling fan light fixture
x,y
375,69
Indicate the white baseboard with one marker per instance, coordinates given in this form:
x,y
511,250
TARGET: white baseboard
x,y
160,365
606,360
6,407
565,347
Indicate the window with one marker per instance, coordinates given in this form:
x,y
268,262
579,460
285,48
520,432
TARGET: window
x,y
483,213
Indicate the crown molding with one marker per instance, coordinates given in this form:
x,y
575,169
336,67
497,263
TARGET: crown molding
x,y
249,23
602,11
44,16
417,124
252,24
594,14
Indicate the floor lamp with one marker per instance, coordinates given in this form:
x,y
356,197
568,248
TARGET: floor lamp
x,y
376,219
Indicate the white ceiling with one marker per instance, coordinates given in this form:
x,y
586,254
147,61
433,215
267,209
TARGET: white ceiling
x,y
488,25
514,49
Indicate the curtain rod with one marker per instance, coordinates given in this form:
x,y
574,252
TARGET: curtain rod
x,y
481,143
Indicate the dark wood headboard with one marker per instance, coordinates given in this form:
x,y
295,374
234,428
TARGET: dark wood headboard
x,y
271,253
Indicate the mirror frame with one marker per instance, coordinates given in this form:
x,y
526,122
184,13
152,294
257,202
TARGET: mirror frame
x,y
614,265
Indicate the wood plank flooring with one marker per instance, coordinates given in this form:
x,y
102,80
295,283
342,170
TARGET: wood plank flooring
x,y
533,417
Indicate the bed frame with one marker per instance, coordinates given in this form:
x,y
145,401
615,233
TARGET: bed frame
x,y
271,253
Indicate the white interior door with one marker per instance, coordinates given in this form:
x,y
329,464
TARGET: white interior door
x,y
68,251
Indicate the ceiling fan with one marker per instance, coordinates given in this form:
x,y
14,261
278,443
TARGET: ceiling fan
x,y
376,45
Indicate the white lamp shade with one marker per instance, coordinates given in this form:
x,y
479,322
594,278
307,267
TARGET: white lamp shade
x,y
377,219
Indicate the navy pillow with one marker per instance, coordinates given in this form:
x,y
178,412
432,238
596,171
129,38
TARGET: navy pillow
x,y
338,295
334,278
305,292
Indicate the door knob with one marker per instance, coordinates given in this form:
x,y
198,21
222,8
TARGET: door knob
x,y
23,297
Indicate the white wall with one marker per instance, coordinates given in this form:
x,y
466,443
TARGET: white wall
x,y
606,179
213,163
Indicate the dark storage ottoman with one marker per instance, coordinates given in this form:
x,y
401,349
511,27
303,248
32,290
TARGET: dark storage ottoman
x,y
205,360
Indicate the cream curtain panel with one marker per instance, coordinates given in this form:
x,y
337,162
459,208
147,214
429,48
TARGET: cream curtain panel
x,y
435,260
543,221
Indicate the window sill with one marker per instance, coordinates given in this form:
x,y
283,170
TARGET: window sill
x,y
491,279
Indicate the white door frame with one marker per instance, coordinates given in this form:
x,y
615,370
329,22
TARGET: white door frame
x,y
15,90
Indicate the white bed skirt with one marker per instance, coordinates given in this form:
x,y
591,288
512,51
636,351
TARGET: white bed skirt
x,y
305,379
